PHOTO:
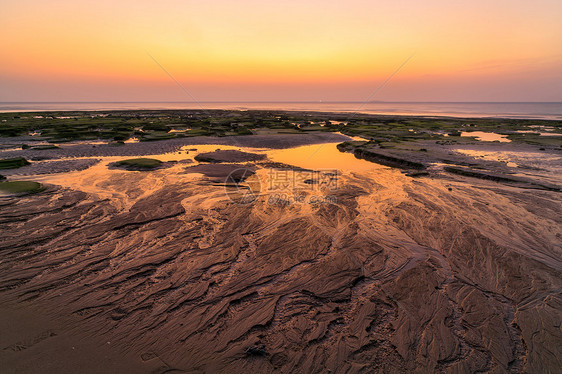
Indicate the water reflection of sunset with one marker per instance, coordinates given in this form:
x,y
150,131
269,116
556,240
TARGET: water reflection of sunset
x,y
322,156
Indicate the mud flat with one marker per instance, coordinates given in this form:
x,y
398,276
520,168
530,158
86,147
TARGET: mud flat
x,y
77,150
54,166
162,272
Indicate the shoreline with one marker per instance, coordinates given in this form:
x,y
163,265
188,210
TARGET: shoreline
x,y
555,118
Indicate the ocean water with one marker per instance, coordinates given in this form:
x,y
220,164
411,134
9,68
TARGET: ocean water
x,y
552,110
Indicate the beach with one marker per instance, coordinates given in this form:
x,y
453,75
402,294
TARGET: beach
x,y
349,256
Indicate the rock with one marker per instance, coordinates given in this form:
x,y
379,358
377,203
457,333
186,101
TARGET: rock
x,y
415,174
502,178
385,158
13,163
229,156
220,172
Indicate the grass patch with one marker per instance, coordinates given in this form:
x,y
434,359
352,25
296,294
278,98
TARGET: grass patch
x,y
140,163
21,187
13,163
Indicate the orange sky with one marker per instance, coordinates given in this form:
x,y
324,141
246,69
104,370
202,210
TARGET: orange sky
x,y
291,50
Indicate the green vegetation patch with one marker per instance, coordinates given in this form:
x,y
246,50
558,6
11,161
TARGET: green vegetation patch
x,y
140,163
197,132
20,187
13,163
154,125
157,136
536,139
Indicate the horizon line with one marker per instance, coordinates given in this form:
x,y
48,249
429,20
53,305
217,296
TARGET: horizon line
x,y
282,102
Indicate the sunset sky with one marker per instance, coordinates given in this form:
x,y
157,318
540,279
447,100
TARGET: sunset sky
x,y
291,50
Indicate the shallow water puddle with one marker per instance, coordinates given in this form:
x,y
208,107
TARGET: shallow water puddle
x,y
486,136
490,156
534,162
538,132
321,156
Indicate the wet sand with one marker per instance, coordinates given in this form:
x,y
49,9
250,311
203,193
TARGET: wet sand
x,y
159,271
105,149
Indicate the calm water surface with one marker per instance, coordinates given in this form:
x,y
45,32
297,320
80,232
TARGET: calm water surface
x,y
504,110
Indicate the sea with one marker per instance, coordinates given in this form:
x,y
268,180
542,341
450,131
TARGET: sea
x,y
513,110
